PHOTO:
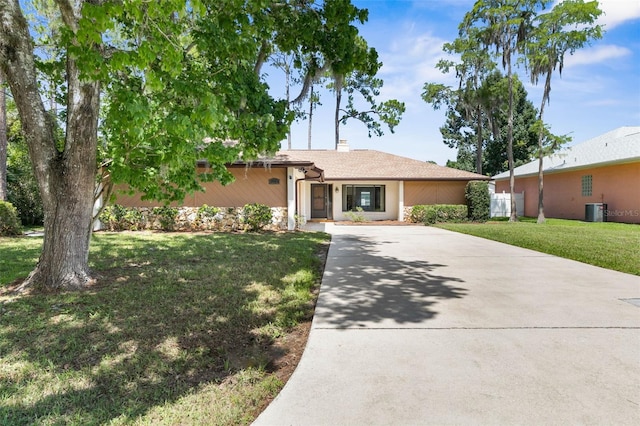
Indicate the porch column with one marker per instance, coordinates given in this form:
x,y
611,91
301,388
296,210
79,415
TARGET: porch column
x,y
291,198
401,201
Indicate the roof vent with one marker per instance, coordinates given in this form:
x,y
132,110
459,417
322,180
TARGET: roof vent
x,y
343,146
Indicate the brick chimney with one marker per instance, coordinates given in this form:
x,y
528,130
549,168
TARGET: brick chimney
x,y
343,146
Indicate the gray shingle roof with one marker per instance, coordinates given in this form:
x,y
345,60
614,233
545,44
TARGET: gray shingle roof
x,y
374,165
618,146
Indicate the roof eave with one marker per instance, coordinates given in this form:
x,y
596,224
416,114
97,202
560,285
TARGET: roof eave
x,y
574,168
415,179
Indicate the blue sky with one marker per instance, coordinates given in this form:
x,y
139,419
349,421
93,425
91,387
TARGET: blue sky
x,y
599,89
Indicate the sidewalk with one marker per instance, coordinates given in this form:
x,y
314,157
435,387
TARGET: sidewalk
x,y
418,325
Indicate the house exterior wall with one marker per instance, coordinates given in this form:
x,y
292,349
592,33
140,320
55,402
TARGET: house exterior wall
x,y
618,186
391,200
251,185
434,192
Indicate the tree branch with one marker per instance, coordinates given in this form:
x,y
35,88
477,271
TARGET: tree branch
x,y
309,78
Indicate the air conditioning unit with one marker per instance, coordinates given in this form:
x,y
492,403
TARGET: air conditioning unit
x,y
595,212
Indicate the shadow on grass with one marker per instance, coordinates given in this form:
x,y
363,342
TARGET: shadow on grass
x,y
169,315
362,287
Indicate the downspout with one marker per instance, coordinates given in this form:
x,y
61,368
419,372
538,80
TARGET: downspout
x,y
297,198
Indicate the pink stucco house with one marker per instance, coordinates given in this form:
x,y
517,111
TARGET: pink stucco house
x,y
605,169
327,184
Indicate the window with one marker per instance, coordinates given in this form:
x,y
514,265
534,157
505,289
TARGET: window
x,y
370,198
587,187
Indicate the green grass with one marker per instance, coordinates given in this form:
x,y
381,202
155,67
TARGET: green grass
x,y
609,245
178,330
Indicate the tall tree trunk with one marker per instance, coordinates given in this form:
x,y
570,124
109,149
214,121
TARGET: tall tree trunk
x,y
71,182
65,178
287,77
512,180
338,89
545,98
3,140
479,140
310,119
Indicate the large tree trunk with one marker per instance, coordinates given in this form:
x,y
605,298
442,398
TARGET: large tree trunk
x,y
545,98
66,177
338,89
3,140
479,140
541,218
287,77
310,119
512,181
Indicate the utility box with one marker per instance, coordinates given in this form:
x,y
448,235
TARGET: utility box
x,y
595,212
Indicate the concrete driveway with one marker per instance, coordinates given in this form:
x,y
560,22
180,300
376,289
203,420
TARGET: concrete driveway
x,y
418,325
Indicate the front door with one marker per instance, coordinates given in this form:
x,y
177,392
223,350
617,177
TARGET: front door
x,y
318,201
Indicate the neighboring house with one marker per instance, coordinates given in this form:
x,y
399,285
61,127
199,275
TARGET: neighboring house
x,y
605,169
326,184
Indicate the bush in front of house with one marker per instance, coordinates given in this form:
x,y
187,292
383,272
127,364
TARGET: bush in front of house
x,y
356,216
9,221
166,216
256,216
478,200
206,217
418,213
436,213
119,218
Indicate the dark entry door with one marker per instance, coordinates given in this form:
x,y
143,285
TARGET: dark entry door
x,y
318,201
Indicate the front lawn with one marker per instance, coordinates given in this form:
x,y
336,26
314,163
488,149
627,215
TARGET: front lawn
x,y
180,329
609,245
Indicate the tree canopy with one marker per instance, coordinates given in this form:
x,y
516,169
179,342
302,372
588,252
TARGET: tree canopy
x,y
513,32
460,129
144,89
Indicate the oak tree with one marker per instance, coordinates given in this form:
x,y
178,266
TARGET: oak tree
x,y
152,87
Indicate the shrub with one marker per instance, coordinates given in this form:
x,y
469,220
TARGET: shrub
x,y
110,217
301,220
418,213
436,213
206,216
25,197
256,216
22,187
166,216
133,220
119,218
356,216
478,200
9,221
207,212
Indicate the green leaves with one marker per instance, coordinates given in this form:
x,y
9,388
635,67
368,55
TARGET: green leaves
x,y
181,79
388,112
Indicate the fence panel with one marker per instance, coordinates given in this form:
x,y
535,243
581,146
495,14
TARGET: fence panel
x,y
501,204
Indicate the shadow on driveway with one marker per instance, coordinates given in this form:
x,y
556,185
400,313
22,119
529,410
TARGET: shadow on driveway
x,y
364,288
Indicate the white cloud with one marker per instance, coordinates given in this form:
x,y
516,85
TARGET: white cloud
x,y
410,61
596,55
617,12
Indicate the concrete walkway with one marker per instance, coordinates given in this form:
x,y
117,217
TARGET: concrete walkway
x,y
417,325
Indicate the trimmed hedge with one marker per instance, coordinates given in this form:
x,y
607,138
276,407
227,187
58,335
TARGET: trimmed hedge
x,y
9,221
436,213
478,200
